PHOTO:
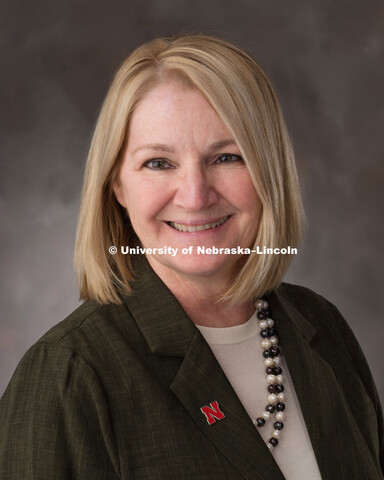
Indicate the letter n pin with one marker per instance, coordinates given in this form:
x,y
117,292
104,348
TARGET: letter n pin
x,y
212,412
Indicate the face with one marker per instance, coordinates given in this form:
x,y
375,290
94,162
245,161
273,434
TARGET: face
x,y
184,184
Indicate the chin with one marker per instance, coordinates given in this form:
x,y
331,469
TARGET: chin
x,y
202,266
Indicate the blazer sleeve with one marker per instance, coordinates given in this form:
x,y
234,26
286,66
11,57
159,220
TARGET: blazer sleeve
x,y
54,420
365,374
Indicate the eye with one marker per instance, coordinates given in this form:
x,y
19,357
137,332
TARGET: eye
x,y
157,164
228,158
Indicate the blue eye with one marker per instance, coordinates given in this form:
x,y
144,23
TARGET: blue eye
x,y
157,164
228,158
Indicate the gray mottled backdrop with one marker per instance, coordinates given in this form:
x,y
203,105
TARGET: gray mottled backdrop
x,y
326,61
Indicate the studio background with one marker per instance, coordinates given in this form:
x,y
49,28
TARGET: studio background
x,y
326,61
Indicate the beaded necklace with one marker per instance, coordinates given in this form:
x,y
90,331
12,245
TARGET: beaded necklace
x,y
274,372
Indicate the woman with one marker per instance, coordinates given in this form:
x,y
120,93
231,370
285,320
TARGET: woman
x,y
172,368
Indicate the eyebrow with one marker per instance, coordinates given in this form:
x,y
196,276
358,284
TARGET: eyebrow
x,y
170,149
155,146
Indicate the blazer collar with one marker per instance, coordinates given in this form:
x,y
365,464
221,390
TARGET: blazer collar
x,y
166,327
283,311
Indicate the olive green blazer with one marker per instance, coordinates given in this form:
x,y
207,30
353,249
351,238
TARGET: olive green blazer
x,y
115,392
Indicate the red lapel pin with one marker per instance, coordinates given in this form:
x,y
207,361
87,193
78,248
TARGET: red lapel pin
x,y
212,412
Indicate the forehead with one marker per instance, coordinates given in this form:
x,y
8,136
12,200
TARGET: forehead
x,y
171,110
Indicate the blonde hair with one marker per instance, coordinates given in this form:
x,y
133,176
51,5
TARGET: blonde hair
x,y
240,92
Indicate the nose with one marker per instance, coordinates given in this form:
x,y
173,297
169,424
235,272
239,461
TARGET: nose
x,y
195,189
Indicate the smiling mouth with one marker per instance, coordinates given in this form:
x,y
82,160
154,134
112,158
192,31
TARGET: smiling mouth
x,y
198,228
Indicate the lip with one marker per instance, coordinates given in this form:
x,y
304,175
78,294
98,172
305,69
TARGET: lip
x,y
204,221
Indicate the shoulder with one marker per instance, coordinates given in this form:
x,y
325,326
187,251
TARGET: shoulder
x,y
302,297
319,311
323,315
87,316
91,350
331,329
56,401
310,308
88,327
90,342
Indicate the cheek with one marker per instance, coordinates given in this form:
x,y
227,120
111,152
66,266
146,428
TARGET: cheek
x,y
145,197
252,202
242,194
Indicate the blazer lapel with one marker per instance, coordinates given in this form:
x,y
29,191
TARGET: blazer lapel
x,y
331,426
200,380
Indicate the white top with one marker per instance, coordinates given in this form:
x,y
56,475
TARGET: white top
x,y
240,354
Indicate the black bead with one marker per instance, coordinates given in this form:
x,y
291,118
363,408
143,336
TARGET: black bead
x,y
270,371
280,388
280,407
270,408
260,422
261,315
271,331
278,425
265,333
272,388
267,353
277,371
273,441
275,351
267,312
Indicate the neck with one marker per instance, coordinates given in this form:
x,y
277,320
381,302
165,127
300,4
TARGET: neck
x,y
198,297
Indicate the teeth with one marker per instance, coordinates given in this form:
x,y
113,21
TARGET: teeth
x,y
197,228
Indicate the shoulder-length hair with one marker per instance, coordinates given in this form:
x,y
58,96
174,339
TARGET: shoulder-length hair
x,y
239,91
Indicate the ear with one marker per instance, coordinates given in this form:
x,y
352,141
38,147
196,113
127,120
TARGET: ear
x,y
118,191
